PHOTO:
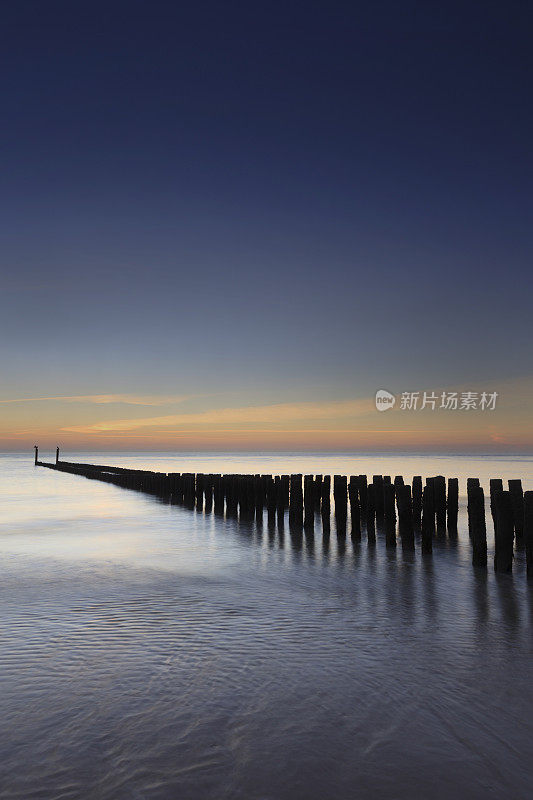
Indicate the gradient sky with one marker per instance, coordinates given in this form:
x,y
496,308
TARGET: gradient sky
x,y
262,213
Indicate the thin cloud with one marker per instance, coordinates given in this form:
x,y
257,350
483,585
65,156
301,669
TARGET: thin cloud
x,y
266,415
104,399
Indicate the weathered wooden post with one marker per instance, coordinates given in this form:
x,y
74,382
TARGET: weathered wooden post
x,y
478,527
340,494
517,503
405,516
439,488
363,487
271,499
428,518
208,490
417,500
389,514
471,483
504,533
377,480
280,507
296,510
355,508
326,503
309,502
35,447
496,485
57,455
452,505
528,531
317,488
371,512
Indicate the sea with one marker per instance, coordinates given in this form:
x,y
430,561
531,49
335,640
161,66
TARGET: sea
x,y
152,651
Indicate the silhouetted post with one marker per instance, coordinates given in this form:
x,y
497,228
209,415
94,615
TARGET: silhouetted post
x,y
478,527
280,505
200,492
528,531
296,510
355,509
326,503
271,499
218,494
428,519
517,503
377,480
439,488
471,483
496,485
452,505
363,488
318,491
340,494
417,500
36,453
389,514
405,516
503,534
371,512
309,501
208,490
57,455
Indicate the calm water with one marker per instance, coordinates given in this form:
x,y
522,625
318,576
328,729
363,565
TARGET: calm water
x,y
152,652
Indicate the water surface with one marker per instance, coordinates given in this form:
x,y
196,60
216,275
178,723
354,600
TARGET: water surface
x,y
153,652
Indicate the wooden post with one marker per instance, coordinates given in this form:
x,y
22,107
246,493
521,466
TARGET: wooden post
x,y
478,527
517,503
36,448
296,510
452,506
363,487
326,503
471,483
439,485
428,518
340,494
503,544
377,480
208,489
280,505
417,500
528,531
496,485
389,514
371,512
405,515
355,508
57,455
309,502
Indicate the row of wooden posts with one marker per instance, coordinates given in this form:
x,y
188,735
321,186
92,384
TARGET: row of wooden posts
x,y
429,509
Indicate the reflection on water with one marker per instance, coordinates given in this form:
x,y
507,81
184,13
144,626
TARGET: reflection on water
x,y
156,652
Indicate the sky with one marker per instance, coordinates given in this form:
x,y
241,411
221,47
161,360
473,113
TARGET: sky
x,y
227,225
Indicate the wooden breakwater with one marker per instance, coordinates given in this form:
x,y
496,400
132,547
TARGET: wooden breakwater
x,y
421,511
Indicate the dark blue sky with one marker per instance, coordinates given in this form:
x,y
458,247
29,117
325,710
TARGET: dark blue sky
x,y
286,200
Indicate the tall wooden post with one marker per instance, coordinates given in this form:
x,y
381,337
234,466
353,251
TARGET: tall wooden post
x,y
417,500
452,505
36,453
517,503
478,527
503,544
